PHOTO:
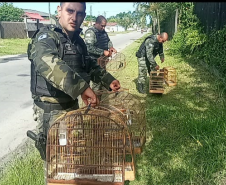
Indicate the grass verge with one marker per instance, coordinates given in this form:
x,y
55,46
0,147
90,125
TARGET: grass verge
x,y
25,168
19,46
13,46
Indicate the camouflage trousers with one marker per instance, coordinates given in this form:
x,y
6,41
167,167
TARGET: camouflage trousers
x,y
38,115
144,68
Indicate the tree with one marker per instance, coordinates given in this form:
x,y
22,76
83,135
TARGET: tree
x,y
125,19
112,19
90,18
157,11
10,13
149,9
137,18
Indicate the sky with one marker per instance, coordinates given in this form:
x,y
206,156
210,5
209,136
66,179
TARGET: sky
x,y
106,9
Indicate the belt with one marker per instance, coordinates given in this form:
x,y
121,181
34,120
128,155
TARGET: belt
x,y
48,107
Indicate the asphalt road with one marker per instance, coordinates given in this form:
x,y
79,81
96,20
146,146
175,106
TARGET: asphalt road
x,y
16,114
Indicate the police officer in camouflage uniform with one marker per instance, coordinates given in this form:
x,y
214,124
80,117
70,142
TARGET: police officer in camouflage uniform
x,y
98,43
151,46
61,69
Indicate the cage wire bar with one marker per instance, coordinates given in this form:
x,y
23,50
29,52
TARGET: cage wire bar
x,y
129,148
88,146
170,76
114,63
161,78
156,81
133,110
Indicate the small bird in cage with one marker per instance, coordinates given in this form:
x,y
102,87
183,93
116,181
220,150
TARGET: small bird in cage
x,y
116,62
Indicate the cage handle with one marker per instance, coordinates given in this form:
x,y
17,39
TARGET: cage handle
x,y
88,108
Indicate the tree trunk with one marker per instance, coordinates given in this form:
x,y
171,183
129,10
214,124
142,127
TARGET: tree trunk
x,y
176,21
157,13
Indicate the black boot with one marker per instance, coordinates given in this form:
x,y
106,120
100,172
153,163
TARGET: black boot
x,y
140,88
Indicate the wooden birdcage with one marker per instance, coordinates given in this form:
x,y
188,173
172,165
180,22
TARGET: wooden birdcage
x,y
133,111
102,61
88,147
156,82
129,148
170,76
114,63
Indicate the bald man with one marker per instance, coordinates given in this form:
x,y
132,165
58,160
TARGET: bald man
x,y
98,43
148,50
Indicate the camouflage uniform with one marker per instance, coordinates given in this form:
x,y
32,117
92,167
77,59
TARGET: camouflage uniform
x,y
38,115
146,59
95,51
58,74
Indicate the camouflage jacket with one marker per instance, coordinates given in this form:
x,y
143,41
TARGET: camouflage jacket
x,y
152,48
90,40
46,59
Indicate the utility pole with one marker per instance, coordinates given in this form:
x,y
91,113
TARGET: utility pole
x,y
90,15
50,14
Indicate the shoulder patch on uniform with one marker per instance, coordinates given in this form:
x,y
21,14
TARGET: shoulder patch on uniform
x,y
43,36
88,34
151,45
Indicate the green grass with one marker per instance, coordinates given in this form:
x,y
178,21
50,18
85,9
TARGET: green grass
x,y
24,169
186,138
13,46
185,128
19,46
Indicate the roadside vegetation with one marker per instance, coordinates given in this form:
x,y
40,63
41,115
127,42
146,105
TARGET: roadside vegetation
x,y
25,168
13,46
186,135
19,46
